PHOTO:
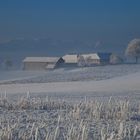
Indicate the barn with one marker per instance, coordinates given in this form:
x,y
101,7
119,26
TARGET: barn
x,y
92,59
70,60
88,59
42,63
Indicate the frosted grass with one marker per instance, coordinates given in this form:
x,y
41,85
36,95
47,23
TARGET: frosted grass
x,y
59,119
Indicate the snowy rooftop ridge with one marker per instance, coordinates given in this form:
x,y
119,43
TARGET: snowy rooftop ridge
x,y
41,59
92,56
73,58
70,58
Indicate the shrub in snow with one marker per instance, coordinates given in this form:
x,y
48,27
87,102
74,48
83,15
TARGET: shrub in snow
x,y
114,59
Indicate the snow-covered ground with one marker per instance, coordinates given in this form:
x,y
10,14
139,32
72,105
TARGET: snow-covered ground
x,y
102,80
67,75
18,75
72,109
124,84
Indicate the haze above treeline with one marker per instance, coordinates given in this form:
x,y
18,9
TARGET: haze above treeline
x,y
54,28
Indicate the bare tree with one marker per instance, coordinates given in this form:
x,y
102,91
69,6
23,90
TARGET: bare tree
x,y
81,61
88,61
133,49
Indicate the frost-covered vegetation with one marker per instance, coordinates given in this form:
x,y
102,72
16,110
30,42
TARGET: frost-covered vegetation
x,y
133,49
73,74
54,118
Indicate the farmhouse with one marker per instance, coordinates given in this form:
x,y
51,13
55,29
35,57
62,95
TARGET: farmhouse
x,y
94,59
42,63
70,60
88,59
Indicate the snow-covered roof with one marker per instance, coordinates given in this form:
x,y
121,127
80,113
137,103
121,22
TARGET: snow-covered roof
x,y
70,58
92,56
41,59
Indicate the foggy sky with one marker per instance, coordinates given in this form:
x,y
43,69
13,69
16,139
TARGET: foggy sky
x,y
105,22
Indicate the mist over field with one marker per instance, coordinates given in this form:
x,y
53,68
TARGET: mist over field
x,y
57,28
20,48
16,50
85,96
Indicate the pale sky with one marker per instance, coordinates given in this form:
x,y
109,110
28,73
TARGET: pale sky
x,y
112,22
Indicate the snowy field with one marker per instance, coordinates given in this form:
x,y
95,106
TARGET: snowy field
x,y
117,85
97,103
70,74
18,75
102,80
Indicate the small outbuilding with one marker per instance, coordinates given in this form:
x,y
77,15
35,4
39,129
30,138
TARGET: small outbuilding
x,y
41,63
104,58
